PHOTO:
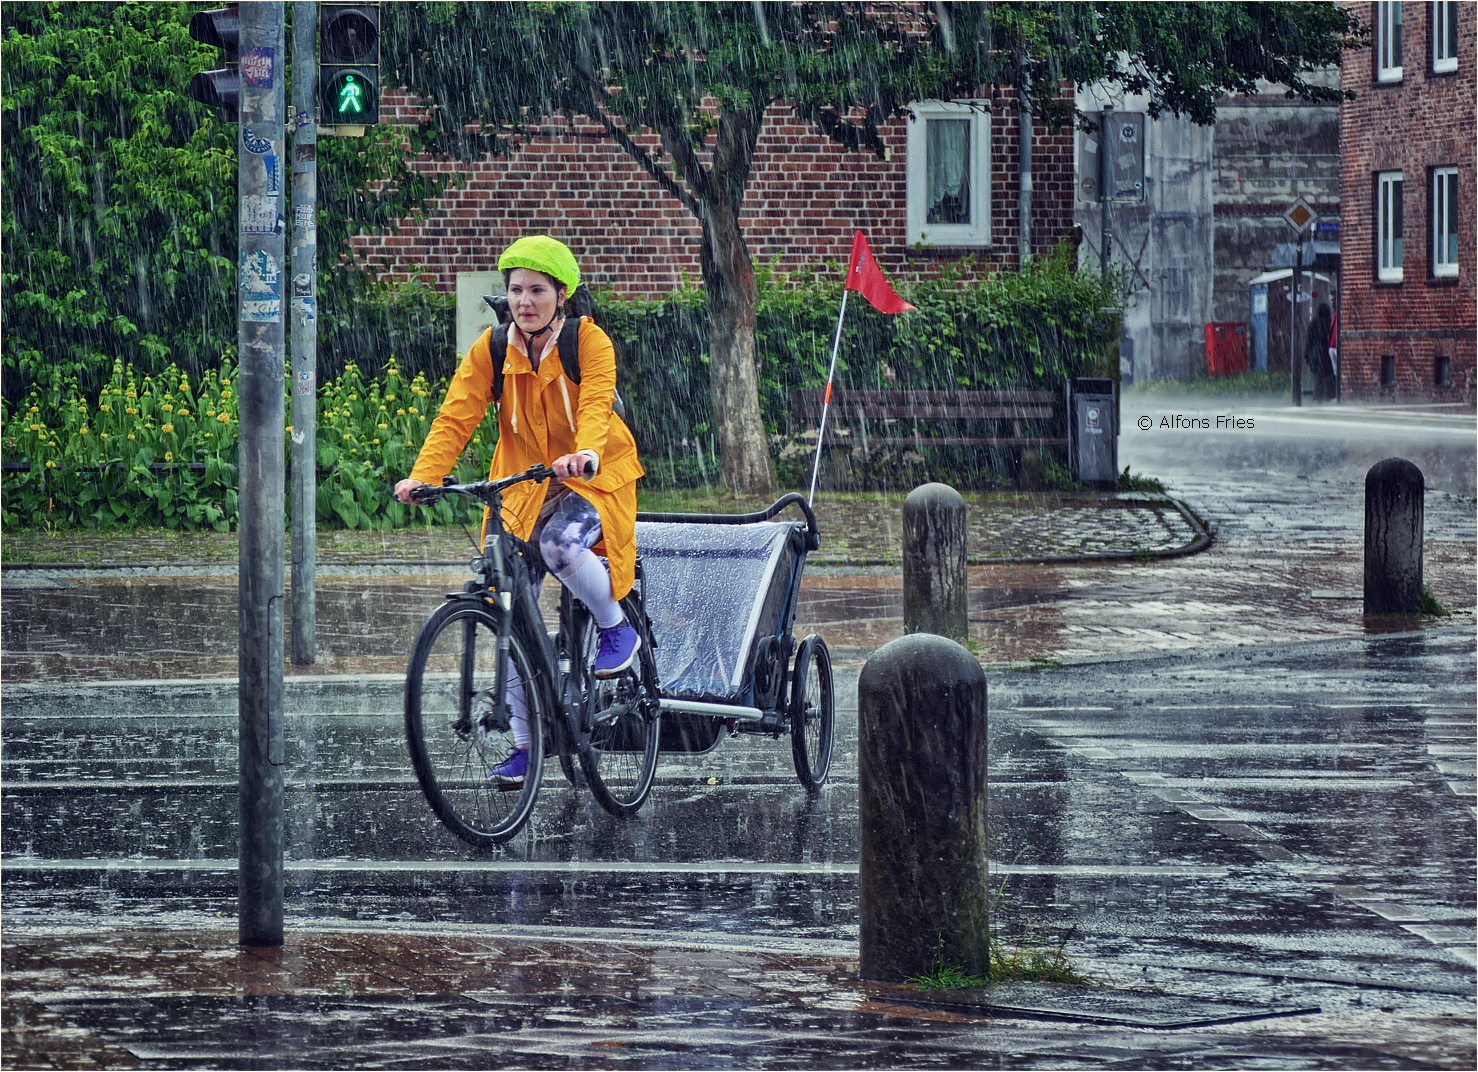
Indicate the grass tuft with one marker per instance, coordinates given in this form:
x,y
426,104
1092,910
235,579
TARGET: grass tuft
x,y
1032,961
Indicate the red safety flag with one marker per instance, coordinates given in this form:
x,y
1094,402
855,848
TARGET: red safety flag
x,y
865,277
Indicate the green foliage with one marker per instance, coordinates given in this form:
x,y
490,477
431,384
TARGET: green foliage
x,y
1431,606
119,197
1136,482
1247,385
1003,331
1029,961
155,450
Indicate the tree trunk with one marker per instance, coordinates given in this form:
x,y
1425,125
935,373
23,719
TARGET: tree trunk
x,y
728,281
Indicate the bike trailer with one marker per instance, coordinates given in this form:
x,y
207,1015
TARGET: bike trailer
x,y
721,593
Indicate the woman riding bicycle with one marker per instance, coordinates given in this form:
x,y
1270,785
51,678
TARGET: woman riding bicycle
x,y
545,417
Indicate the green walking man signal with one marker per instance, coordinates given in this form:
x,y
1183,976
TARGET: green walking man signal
x,y
349,66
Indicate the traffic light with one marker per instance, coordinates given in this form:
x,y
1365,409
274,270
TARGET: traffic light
x,y
221,89
349,64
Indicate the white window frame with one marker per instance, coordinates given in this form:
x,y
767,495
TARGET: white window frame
x,y
1444,45
1387,257
976,233
1444,185
1388,45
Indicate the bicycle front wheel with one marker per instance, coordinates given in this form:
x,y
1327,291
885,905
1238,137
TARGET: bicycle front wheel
x,y
458,731
621,725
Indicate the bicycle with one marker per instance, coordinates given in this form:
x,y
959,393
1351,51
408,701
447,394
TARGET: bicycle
x,y
457,716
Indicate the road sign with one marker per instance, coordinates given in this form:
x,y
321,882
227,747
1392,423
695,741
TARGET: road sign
x,y
1300,215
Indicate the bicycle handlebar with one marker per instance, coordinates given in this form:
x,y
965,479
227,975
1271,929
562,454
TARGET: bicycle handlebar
x,y
486,490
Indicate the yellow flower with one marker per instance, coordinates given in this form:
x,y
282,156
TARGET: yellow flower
x,y
382,426
169,455
207,436
183,412
167,429
130,435
131,411
348,436
225,394
224,418
376,441
210,413
106,435
167,408
106,408
82,430
389,398
400,413
415,410
51,465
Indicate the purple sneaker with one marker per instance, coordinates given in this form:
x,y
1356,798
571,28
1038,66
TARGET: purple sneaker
x,y
513,770
618,647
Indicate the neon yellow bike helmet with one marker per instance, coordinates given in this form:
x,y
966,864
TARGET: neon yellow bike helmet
x,y
542,254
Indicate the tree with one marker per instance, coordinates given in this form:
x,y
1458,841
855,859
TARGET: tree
x,y
119,221
701,76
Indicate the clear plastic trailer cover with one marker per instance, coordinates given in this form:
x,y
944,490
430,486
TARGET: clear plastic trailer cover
x,y
706,588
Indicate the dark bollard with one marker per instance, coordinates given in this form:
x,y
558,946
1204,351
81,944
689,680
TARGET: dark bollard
x,y
922,787
935,585
1394,490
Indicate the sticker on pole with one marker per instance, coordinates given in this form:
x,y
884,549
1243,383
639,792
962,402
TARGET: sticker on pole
x,y
257,66
1300,215
261,288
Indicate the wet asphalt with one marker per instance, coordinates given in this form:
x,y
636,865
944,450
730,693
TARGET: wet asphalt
x,y
1209,776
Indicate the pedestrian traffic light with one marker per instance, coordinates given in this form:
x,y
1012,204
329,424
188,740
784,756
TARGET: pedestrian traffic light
x,y
349,64
220,89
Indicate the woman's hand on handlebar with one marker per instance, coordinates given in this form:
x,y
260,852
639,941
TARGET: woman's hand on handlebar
x,y
573,465
405,487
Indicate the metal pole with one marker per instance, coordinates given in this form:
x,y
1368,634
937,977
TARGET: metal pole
x,y
1295,353
1024,239
260,343
305,334
1105,190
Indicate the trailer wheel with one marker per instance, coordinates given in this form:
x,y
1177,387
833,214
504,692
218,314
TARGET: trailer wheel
x,y
812,713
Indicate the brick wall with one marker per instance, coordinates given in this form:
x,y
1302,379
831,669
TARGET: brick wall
x,y
805,198
1421,122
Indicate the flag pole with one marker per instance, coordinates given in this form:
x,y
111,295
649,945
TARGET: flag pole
x,y
826,399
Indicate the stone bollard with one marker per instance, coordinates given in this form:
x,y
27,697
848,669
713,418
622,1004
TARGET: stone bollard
x,y
922,788
1393,537
935,584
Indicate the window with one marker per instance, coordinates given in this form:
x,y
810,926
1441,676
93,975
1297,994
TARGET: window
x,y
1388,370
1388,226
1444,36
1442,371
1444,221
1388,41
948,174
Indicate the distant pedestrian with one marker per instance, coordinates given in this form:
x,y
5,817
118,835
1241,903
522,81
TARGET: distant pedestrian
x,y
1316,354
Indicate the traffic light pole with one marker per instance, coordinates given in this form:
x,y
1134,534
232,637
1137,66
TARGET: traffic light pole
x,y
305,332
260,145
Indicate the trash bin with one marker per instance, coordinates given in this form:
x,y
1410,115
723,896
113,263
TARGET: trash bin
x,y
1093,431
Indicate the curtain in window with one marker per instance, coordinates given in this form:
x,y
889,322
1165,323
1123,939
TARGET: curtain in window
x,y
948,149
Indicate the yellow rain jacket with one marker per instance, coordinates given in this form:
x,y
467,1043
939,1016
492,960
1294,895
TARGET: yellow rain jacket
x,y
542,416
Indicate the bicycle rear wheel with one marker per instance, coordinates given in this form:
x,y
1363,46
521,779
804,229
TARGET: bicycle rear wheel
x,y
458,730
623,720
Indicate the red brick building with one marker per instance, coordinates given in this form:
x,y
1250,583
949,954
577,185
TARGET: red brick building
x,y
806,197
1407,248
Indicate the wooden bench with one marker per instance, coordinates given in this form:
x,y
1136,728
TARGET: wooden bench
x,y
1003,411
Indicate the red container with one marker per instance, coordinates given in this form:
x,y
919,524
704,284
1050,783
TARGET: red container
x,y
1226,348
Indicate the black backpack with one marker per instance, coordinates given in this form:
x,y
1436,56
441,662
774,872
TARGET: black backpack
x,y
579,304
